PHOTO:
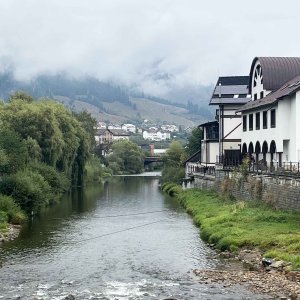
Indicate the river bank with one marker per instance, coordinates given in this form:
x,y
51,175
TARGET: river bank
x,y
267,241
10,233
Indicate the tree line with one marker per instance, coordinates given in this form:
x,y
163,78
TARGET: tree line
x,y
44,149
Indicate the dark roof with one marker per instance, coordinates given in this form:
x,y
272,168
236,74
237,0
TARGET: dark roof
x,y
100,131
287,89
229,86
194,157
208,123
276,71
233,80
119,132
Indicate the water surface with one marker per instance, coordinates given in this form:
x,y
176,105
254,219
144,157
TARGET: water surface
x,y
120,240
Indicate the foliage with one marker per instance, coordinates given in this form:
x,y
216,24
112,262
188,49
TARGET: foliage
x,y
172,174
95,171
11,212
58,181
173,170
232,225
21,95
13,152
29,189
171,188
175,155
127,158
194,141
51,134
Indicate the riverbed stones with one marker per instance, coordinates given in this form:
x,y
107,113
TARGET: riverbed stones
x,y
12,232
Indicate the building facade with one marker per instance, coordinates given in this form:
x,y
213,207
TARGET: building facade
x,y
271,121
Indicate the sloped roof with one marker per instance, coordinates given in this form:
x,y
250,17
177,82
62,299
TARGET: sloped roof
x,y
276,71
228,87
289,88
119,132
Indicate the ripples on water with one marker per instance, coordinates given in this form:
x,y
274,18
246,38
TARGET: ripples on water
x,y
75,248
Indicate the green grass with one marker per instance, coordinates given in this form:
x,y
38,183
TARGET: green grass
x,y
232,225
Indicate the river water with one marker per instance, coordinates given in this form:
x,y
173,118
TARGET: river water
x,y
123,239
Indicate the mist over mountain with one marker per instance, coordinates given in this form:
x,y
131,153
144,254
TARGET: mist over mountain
x,y
115,102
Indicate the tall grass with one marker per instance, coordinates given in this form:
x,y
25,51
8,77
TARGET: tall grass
x,y
232,225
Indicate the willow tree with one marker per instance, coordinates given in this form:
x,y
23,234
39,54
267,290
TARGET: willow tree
x,y
52,134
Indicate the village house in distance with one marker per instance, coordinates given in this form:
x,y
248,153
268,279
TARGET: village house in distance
x,y
257,116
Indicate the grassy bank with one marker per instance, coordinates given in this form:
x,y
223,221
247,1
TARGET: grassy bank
x,y
232,225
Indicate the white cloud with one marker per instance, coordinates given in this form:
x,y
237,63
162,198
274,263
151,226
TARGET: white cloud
x,y
130,40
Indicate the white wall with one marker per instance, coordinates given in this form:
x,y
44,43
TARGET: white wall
x,y
287,132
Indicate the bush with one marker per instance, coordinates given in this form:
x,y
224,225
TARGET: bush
x,y
171,188
58,181
29,189
94,171
172,174
11,212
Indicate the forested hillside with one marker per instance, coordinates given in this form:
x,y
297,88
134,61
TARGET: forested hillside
x,y
108,101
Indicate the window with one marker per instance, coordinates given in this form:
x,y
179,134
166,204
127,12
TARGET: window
x,y
257,121
244,123
261,94
251,122
273,118
265,119
255,96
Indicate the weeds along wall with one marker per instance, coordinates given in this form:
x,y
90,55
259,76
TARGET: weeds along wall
x,y
283,193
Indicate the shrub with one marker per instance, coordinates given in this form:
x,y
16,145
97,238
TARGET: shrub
x,y
58,181
12,211
172,174
29,189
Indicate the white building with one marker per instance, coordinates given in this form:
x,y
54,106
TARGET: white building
x,y
114,126
271,122
230,94
129,128
154,135
169,128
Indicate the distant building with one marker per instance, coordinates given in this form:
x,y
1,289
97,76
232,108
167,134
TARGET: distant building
x,y
101,125
169,128
154,135
114,126
107,136
129,128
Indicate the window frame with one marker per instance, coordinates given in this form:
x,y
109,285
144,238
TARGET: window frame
x,y
265,119
250,122
244,122
257,118
273,118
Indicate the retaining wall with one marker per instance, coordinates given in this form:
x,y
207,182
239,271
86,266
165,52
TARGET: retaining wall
x,y
283,193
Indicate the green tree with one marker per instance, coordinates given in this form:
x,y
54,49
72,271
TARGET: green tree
x,y
194,141
173,170
127,158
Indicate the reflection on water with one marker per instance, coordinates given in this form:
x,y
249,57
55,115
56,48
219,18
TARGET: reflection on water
x,y
81,247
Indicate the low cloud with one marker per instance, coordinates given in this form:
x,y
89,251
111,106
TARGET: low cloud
x,y
152,44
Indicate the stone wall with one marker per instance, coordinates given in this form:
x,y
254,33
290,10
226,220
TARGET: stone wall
x,y
283,193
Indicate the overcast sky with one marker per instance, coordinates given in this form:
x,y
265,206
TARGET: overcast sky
x,y
141,41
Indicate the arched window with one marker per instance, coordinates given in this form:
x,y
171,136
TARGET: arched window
x,y
257,148
265,147
250,149
273,147
244,149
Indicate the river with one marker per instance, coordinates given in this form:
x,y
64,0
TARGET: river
x,y
123,239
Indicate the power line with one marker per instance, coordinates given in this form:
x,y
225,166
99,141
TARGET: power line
x,y
114,232
127,215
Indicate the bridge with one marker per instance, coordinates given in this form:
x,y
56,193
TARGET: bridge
x,y
151,159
